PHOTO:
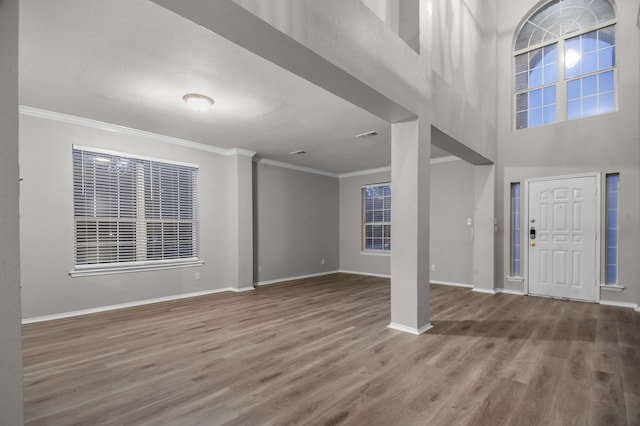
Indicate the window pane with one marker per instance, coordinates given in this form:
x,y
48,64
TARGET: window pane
x,y
376,216
515,229
549,95
574,89
535,98
605,82
611,236
606,103
589,106
535,117
521,120
589,62
549,114
589,86
574,109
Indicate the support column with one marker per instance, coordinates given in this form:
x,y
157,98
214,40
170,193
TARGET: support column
x,y
11,403
410,163
484,230
243,220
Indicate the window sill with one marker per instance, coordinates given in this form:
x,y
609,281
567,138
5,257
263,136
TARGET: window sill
x,y
375,253
612,287
515,279
121,269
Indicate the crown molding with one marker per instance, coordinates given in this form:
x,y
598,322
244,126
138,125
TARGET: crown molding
x,y
365,172
295,167
101,125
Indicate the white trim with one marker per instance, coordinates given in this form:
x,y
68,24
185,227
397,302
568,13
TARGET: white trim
x,y
384,253
438,160
299,277
121,306
451,284
447,159
411,330
611,287
240,152
133,268
101,125
241,289
369,274
128,155
509,291
364,172
294,167
484,290
632,305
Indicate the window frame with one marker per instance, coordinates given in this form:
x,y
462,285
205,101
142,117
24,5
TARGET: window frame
x,y
365,223
515,228
615,229
561,84
140,218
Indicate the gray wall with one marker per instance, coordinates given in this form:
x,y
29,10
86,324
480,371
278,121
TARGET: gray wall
x,y
46,222
11,411
451,239
606,143
452,203
351,257
296,223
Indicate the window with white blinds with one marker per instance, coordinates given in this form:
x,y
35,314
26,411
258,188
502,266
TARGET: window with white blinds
x,y
376,217
133,211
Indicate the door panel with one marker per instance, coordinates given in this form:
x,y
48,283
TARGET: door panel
x,y
563,251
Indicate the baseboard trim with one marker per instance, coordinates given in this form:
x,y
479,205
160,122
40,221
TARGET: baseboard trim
x,y
452,284
509,291
99,309
410,330
298,277
369,274
483,290
241,289
631,305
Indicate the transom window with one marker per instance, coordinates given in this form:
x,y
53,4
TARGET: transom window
x,y
133,212
376,217
565,61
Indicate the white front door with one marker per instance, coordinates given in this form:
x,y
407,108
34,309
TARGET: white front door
x,y
562,232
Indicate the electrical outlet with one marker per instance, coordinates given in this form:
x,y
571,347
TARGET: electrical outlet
x,y
197,277
323,261
260,268
433,268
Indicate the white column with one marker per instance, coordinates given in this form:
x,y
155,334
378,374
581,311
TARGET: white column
x,y
484,229
243,220
410,162
11,411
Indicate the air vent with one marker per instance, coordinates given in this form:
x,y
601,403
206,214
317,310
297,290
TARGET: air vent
x,y
367,134
298,152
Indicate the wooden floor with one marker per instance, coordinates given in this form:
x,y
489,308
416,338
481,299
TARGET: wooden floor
x,y
318,351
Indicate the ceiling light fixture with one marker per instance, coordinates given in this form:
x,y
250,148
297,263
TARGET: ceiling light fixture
x,y
298,152
367,134
198,102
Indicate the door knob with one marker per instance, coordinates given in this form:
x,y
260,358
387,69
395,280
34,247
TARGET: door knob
x,y
532,244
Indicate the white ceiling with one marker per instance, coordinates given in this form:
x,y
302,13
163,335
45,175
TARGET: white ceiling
x,y
130,62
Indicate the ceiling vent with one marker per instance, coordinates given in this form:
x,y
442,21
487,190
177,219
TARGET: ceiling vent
x,y
367,134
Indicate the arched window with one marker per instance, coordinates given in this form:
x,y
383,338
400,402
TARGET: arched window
x,y
565,62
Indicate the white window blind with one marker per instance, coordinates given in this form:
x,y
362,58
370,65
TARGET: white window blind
x,y
376,218
133,211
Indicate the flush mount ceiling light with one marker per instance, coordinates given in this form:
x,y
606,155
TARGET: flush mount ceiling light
x,y
198,102
298,152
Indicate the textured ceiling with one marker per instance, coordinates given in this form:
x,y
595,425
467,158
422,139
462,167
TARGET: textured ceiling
x,y
130,62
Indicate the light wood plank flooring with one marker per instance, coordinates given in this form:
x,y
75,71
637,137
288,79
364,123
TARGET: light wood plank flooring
x,y
318,351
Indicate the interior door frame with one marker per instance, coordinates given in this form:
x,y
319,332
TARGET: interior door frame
x,y
525,229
